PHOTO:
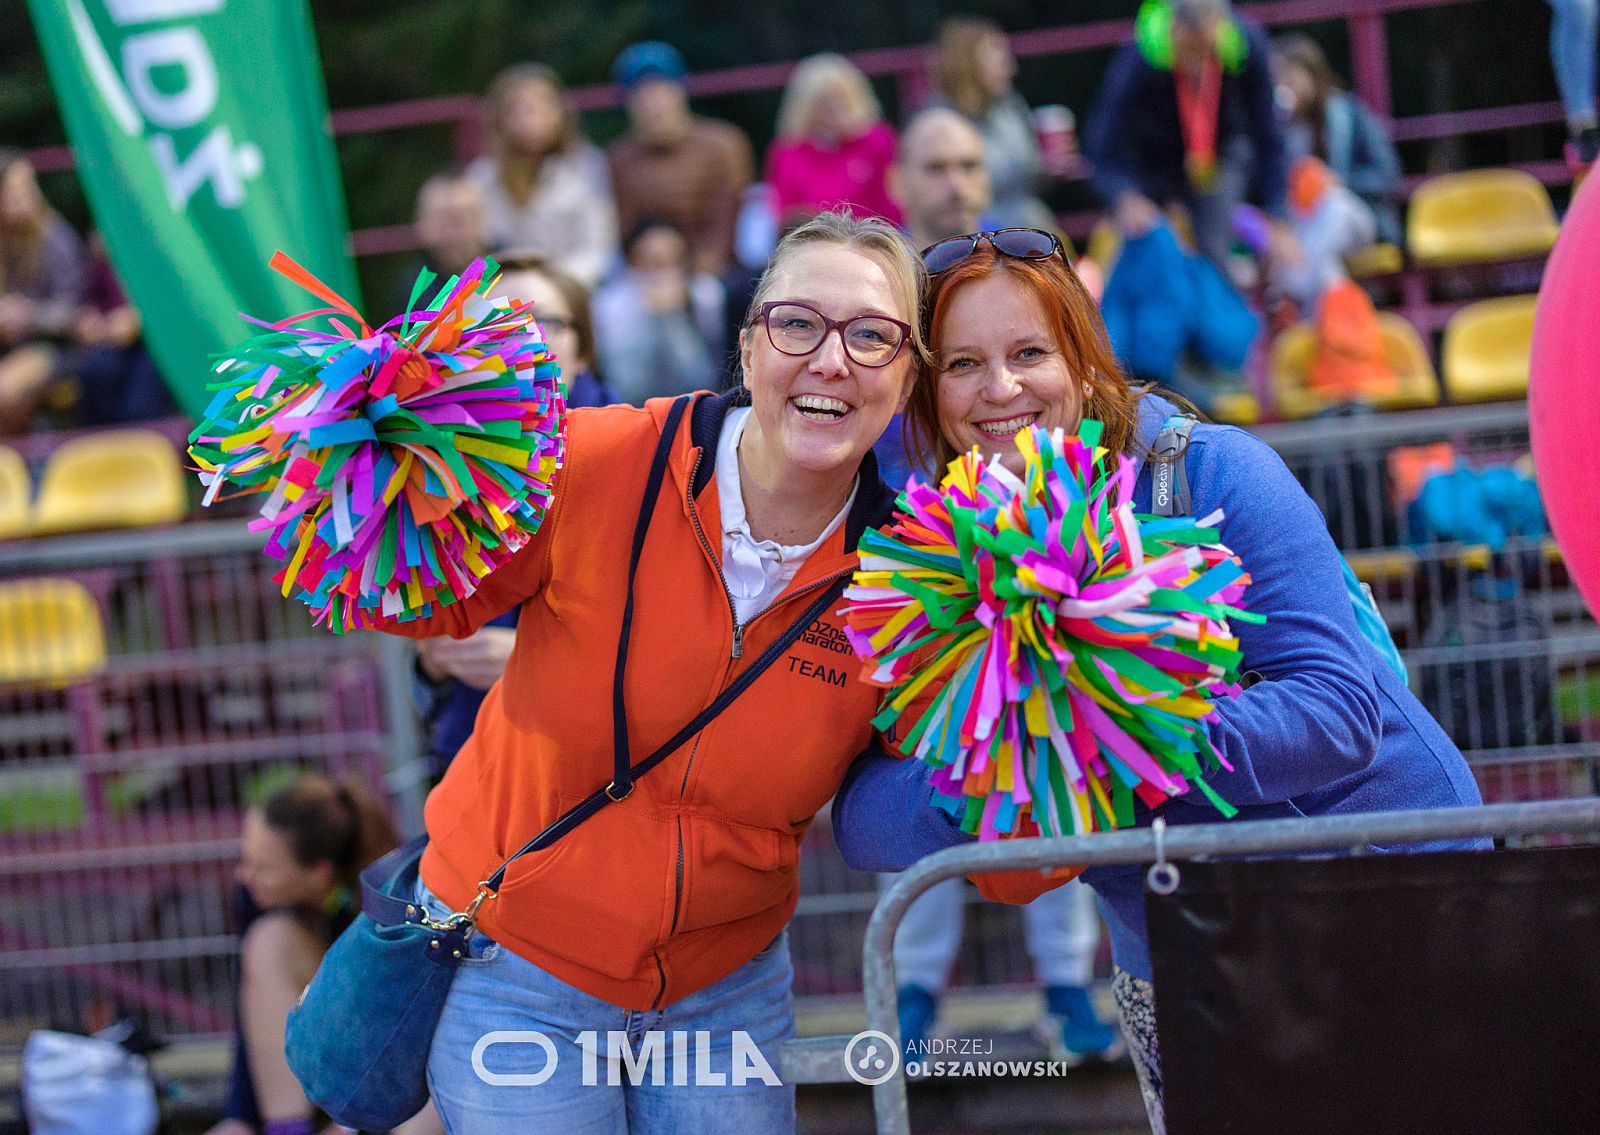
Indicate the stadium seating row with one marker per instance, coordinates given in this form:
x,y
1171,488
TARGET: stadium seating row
x,y
113,479
1485,358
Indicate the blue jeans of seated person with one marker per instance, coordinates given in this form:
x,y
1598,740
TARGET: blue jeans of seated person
x,y
495,990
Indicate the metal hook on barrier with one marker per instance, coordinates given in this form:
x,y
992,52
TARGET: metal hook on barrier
x,y
1162,878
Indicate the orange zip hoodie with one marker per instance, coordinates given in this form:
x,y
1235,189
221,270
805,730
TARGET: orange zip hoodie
x,y
694,873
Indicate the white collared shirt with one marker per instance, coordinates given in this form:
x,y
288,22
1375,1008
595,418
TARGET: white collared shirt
x,y
756,571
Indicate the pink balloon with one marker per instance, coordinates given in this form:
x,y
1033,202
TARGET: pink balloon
x,y
1564,391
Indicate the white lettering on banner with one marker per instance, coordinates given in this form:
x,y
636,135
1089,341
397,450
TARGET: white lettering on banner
x,y
127,12
101,70
182,48
216,160
514,1079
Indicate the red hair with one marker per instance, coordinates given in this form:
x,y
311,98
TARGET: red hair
x,y
1076,326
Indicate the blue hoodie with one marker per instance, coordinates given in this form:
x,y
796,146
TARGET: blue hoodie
x,y
1331,729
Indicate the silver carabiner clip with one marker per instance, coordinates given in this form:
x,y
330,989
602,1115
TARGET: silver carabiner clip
x,y
1162,878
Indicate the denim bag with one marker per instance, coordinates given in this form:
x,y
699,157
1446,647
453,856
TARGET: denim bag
x,y
359,1037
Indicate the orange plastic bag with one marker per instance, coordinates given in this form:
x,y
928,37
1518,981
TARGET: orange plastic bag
x,y
1350,363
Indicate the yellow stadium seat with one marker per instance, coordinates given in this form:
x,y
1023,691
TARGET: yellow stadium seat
x,y
1476,215
14,493
1105,243
1487,348
50,632
1381,259
1408,355
1236,407
115,479
1294,349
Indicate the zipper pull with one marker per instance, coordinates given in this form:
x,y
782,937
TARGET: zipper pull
x,y
738,640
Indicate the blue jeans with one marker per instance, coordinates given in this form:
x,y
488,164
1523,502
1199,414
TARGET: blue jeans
x,y
583,1066
1572,55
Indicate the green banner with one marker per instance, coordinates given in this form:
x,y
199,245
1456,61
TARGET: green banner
x,y
201,134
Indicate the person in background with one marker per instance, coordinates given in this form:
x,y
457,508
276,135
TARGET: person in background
x,y
1573,32
454,674
974,71
659,321
545,189
942,182
452,230
1328,122
941,178
116,379
562,306
301,854
673,163
1186,117
41,288
833,147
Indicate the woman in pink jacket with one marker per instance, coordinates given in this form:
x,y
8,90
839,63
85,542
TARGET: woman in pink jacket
x,y
833,147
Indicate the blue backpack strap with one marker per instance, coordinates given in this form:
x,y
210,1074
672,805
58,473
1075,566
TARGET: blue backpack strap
x,y
1170,496
1370,621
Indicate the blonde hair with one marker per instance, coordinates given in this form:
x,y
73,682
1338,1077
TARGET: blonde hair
x,y
519,170
956,71
810,80
872,236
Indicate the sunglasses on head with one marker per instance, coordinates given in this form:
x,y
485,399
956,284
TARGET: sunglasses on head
x,y
1019,244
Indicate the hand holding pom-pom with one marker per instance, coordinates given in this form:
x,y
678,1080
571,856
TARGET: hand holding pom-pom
x,y
1072,646
403,464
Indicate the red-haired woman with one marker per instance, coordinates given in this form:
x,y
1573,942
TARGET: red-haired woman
x,y
1325,725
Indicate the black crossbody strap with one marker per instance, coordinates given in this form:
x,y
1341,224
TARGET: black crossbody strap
x,y
622,761
598,799
624,772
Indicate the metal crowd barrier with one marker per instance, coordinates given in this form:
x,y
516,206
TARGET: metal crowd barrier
x,y
823,1059
150,680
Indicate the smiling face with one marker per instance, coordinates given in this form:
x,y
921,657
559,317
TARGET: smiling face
x,y
815,416
999,369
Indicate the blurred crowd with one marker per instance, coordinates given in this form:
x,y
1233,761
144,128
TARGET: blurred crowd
x,y
641,258
1238,176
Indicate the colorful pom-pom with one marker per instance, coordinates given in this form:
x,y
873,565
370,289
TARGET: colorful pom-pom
x,y
404,463
1071,646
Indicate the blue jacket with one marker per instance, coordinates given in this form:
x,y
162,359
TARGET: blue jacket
x,y
1332,729
1135,140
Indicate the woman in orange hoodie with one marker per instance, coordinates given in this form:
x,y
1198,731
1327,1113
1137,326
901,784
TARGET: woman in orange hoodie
x,y
651,934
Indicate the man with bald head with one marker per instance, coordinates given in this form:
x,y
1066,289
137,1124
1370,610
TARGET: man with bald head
x,y
940,177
